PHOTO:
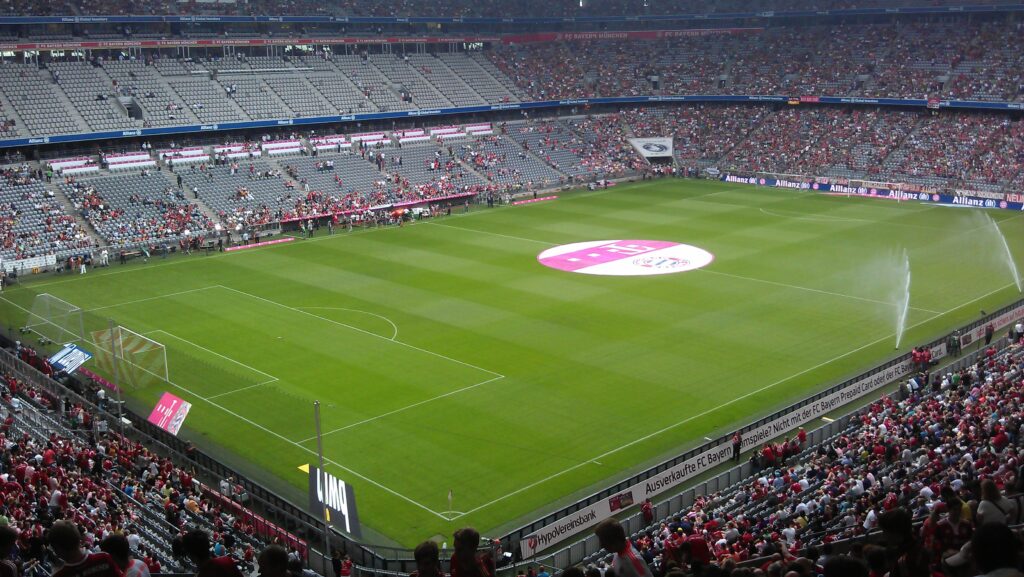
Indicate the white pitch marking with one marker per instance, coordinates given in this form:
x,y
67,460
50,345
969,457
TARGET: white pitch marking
x,y
809,289
158,297
828,420
285,439
405,408
546,243
310,451
708,439
357,329
239,390
815,218
198,346
705,269
726,404
829,218
382,317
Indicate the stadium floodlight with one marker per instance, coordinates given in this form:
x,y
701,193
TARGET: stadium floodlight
x,y
54,320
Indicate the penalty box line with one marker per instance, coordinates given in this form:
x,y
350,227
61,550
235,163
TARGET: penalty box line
x,y
363,331
270,378
271,432
722,406
287,440
494,375
403,409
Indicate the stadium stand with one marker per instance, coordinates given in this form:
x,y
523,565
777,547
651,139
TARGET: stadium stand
x,y
960,59
144,207
499,159
60,452
461,8
33,222
35,100
924,451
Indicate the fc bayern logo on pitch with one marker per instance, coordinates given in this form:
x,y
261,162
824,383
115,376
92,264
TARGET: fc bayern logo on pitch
x,y
662,262
625,257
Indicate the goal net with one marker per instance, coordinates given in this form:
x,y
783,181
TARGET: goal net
x,y
136,360
55,320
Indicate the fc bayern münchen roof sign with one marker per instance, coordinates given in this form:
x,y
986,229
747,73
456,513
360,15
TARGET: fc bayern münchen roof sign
x,y
653,147
70,358
326,490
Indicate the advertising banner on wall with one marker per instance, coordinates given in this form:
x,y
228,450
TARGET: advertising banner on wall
x,y
674,476
653,147
326,490
169,414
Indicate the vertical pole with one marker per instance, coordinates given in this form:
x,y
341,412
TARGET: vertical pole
x,y
320,483
117,380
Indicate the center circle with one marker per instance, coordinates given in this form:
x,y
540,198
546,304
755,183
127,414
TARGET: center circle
x,y
625,257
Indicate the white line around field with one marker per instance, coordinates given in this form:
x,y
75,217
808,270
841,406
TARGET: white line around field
x,y
382,317
307,450
809,289
489,233
185,292
365,332
283,438
830,218
254,250
726,404
240,389
403,409
215,353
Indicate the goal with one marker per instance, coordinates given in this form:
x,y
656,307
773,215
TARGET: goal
x,y
55,320
137,360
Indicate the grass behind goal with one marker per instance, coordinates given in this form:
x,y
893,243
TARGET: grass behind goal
x,y
447,358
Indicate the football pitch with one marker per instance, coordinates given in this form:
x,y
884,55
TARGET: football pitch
x,y
448,358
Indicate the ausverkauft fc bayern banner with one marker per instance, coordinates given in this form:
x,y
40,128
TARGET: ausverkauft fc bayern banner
x,y
653,147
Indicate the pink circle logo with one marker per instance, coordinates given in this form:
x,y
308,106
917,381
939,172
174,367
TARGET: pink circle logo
x,y
625,257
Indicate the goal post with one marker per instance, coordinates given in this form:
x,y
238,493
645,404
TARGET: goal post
x,y
55,320
136,359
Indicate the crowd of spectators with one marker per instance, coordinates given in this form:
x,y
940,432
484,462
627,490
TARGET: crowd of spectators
x,y
939,455
561,8
963,152
961,60
137,218
972,151
702,134
106,485
604,148
32,221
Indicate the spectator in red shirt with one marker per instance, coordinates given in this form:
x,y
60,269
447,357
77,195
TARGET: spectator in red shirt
x,y
648,511
66,542
197,546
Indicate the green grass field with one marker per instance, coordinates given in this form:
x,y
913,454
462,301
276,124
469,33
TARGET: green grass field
x,y
446,357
